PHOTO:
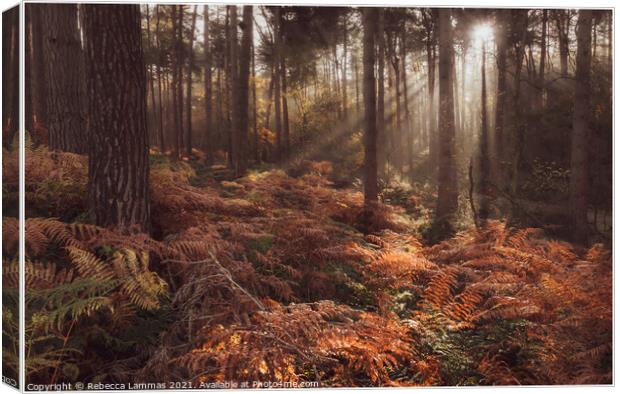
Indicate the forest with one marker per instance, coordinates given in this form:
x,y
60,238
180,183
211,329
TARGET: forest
x,y
222,196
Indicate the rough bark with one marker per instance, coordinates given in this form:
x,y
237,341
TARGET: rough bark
x,y
484,163
276,86
188,98
581,129
562,20
501,92
381,132
447,196
39,83
371,188
430,23
241,134
10,75
208,144
65,82
175,82
118,150
162,142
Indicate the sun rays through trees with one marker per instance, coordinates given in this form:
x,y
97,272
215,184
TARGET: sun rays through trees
x,y
342,196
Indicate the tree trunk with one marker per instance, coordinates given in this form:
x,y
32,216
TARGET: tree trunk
x,y
276,78
151,75
64,64
10,76
562,20
175,82
241,133
118,167
188,99
371,188
285,120
381,132
447,196
254,107
430,19
484,165
543,56
407,129
28,108
344,67
357,86
208,89
518,32
235,91
39,74
180,61
162,142
581,130
500,94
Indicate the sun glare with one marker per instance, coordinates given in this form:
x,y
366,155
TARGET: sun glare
x,y
482,33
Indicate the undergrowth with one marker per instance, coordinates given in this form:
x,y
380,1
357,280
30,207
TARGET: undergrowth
x,y
274,276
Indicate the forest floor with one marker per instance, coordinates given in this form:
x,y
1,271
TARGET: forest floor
x,y
276,277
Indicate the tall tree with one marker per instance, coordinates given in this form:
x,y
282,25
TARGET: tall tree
x,y
276,78
10,75
542,65
381,131
175,82
371,187
118,167
39,74
241,133
162,142
562,21
429,18
208,87
188,98
581,129
235,115
447,196
501,90
180,60
65,84
484,162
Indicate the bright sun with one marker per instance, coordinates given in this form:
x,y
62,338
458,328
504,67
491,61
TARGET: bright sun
x,y
483,33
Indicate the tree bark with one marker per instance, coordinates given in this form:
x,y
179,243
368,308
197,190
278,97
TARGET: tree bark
x,y
118,150
344,66
484,164
542,64
180,61
381,132
175,82
447,196
407,129
562,20
10,76
188,99
371,188
430,22
64,65
254,106
276,86
162,142
208,88
581,129
235,115
240,160
501,92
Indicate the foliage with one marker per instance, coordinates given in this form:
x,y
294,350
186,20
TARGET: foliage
x,y
274,276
